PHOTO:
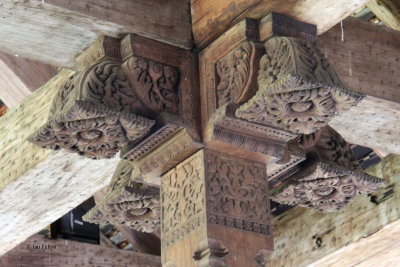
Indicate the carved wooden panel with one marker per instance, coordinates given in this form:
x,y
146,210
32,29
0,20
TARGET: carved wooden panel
x,y
298,90
331,176
183,214
237,193
128,202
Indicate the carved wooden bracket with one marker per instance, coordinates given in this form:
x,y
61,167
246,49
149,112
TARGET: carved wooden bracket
x,y
283,82
216,197
128,202
120,90
298,90
331,176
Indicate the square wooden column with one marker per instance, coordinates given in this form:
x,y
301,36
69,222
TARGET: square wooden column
x,y
215,211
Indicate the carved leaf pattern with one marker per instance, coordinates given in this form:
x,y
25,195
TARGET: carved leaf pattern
x,y
234,74
236,188
298,90
183,199
155,84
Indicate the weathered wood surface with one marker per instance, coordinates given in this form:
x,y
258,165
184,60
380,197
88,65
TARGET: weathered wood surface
x,y
302,236
61,252
19,77
368,60
372,123
38,186
57,34
212,18
388,11
379,249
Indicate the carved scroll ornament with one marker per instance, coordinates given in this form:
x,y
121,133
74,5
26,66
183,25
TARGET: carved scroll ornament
x,y
92,114
331,177
298,90
128,202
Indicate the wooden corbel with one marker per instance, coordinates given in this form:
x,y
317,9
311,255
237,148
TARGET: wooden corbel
x,y
329,179
120,92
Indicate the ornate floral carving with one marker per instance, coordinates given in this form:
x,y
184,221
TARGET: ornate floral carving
x,y
156,85
237,193
128,202
331,176
235,72
183,200
298,90
91,114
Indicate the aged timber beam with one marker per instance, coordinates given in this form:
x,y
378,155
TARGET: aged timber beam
x,y
20,77
211,18
313,235
28,28
368,61
38,250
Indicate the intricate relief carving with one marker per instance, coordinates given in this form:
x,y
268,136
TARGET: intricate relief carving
x,y
183,200
156,85
326,188
237,193
91,114
235,72
298,89
128,202
331,177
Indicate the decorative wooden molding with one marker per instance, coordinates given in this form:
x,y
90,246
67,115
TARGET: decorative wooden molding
x,y
331,177
128,202
298,90
109,103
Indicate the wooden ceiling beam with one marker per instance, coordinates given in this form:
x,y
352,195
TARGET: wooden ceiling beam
x,y
211,18
303,236
55,32
40,251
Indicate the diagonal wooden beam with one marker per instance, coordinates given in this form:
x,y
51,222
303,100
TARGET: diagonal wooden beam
x,y
19,77
40,251
388,11
302,236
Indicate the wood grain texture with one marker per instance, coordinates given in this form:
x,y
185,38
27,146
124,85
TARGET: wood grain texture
x,y
17,154
56,35
57,184
302,236
368,60
365,251
212,18
388,11
372,123
65,253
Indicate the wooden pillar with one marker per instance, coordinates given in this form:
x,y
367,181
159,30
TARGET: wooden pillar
x,y
215,210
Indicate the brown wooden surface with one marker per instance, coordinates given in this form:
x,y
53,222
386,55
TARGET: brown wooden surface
x,y
72,253
212,18
368,60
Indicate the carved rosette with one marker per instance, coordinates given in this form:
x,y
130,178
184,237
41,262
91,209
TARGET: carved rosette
x,y
92,114
128,202
331,177
298,90
237,81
